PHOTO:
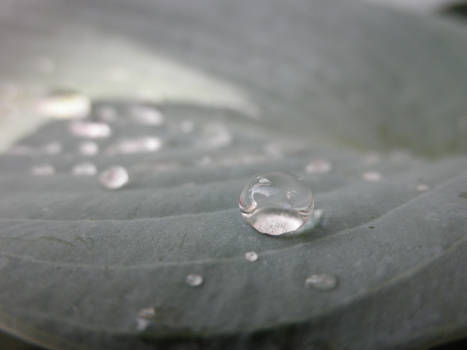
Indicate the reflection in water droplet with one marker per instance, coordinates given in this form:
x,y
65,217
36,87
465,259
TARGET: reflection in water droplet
x,y
372,176
139,145
114,178
90,129
146,115
43,170
318,166
53,148
251,256
107,114
88,148
276,203
321,282
84,169
422,188
64,104
194,280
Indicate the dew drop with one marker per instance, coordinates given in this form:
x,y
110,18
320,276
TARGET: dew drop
x,y
88,148
318,166
194,280
321,282
114,178
422,187
276,203
372,176
84,169
43,170
64,104
90,130
146,115
251,256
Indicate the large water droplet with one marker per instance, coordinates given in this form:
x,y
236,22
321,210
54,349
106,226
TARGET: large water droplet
x,y
251,256
276,203
84,169
146,115
88,148
64,104
194,280
114,178
43,170
90,129
321,281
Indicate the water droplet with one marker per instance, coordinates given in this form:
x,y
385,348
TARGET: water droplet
x,y
53,148
43,170
321,282
422,187
146,115
90,129
107,114
194,280
276,203
372,176
251,256
64,104
114,178
84,169
88,148
139,145
318,166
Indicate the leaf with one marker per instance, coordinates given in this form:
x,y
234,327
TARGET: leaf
x,y
362,87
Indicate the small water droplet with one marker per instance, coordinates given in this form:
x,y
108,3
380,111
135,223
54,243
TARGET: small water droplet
x,y
194,280
90,129
251,256
372,176
43,170
422,187
146,115
280,205
114,178
139,145
64,104
321,282
88,148
52,148
84,169
318,166
145,317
